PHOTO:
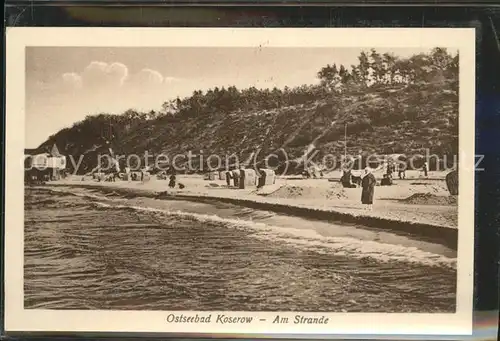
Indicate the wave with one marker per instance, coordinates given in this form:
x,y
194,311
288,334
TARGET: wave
x,y
67,192
307,238
304,238
41,202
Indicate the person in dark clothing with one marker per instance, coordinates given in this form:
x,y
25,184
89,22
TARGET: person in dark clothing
x,y
236,177
402,171
386,181
425,169
368,185
452,182
389,169
346,180
229,176
171,183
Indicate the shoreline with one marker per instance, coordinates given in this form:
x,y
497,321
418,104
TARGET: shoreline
x,y
439,233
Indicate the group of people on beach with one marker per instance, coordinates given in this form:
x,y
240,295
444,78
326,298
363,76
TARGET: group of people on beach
x,y
366,181
141,175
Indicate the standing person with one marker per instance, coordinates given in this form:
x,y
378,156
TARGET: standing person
x,y
259,177
228,178
236,177
171,183
389,169
368,185
402,171
173,178
425,169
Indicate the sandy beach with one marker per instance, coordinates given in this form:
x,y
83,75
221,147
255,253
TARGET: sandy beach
x,y
415,203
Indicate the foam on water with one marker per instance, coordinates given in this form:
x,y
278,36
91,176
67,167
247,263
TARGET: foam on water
x,y
312,240
298,237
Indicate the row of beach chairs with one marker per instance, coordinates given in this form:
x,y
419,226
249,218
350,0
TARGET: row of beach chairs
x,y
242,178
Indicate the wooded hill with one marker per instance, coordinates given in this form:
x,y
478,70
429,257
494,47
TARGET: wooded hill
x,y
391,105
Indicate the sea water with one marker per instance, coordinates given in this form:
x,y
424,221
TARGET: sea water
x,y
89,250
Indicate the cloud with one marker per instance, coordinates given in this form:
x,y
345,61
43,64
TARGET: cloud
x,y
71,79
102,86
170,80
102,74
98,76
146,77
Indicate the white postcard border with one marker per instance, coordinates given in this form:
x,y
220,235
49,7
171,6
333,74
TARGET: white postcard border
x,y
19,319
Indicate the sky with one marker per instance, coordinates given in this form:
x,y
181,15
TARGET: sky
x,y
65,84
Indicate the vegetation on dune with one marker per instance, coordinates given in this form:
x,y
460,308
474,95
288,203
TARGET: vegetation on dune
x,y
391,105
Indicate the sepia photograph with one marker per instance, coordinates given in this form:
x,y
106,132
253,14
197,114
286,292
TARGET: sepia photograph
x,y
265,185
